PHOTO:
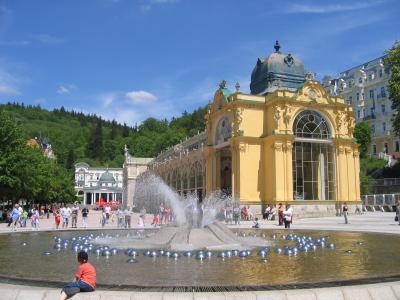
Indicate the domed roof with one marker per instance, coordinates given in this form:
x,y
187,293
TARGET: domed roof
x,y
107,177
277,71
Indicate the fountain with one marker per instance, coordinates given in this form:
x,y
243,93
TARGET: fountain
x,y
200,253
195,225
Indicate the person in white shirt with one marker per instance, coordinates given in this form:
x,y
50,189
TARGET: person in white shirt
x,y
266,212
107,210
66,214
288,216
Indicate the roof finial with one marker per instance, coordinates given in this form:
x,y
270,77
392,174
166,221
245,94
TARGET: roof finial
x,y
237,87
277,46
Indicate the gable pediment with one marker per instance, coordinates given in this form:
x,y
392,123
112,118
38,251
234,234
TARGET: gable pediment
x,y
313,91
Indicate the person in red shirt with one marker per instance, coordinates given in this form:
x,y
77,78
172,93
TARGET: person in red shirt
x,y
85,278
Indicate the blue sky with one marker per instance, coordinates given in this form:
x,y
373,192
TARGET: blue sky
x,y
131,59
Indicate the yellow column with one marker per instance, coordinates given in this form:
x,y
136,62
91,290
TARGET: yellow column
x,y
289,170
209,154
341,173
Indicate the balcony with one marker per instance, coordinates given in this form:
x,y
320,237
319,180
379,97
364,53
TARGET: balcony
x,y
370,117
361,103
381,97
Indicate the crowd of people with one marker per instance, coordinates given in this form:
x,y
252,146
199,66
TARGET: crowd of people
x,y
72,216
122,217
20,216
234,214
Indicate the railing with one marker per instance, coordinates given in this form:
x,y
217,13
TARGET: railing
x,y
386,182
382,202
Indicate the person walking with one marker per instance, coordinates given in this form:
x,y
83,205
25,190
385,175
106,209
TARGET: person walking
x,y
127,214
14,217
103,218
398,211
345,212
107,210
85,213
288,216
57,218
66,214
280,214
74,215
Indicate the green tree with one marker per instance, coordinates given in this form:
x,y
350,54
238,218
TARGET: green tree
x,y
11,157
392,60
125,130
71,159
362,134
114,130
95,144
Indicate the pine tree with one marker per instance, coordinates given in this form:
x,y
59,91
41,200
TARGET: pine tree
x,y
71,158
125,130
113,133
94,147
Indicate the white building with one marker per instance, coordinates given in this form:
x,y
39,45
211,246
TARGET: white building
x,y
365,88
92,184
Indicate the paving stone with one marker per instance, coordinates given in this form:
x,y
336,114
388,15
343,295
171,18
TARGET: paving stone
x,y
240,296
329,294
271,295
52,294
115,296
87,296
31,295
381,293
300,295
209,296
8,294
177,296
146,296
356,293
396,289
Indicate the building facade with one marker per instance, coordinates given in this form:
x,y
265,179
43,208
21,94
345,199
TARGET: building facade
x,y
288,141
92,184
365,88
133,167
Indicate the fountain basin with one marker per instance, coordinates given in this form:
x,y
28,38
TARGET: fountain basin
x,y
376,257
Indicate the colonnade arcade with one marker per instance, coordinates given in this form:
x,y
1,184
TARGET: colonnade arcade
x,y
186,178
92,197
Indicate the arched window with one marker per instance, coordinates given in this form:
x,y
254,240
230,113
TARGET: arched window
x,y
310,124
313,158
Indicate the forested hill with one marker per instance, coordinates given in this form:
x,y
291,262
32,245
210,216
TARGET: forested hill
x,y
75,136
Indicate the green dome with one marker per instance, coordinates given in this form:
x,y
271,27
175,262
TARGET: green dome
x,y
106,177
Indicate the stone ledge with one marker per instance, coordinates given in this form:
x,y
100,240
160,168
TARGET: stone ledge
x,y
379,291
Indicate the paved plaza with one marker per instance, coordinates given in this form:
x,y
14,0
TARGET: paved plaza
x,y
371,222
368,222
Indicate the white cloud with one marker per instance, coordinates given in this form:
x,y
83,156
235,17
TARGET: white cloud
x,y
9,83
108,98
48,39
331,8
149,4
140,97
6,17
8,90
15,43
65,89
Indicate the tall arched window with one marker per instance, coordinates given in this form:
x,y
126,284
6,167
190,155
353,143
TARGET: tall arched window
x,y
313,158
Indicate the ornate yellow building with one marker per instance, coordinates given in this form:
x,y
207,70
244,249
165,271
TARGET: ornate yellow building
x,y
288,141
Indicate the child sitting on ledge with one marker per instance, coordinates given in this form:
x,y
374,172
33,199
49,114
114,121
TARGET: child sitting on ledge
x,y
85,278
